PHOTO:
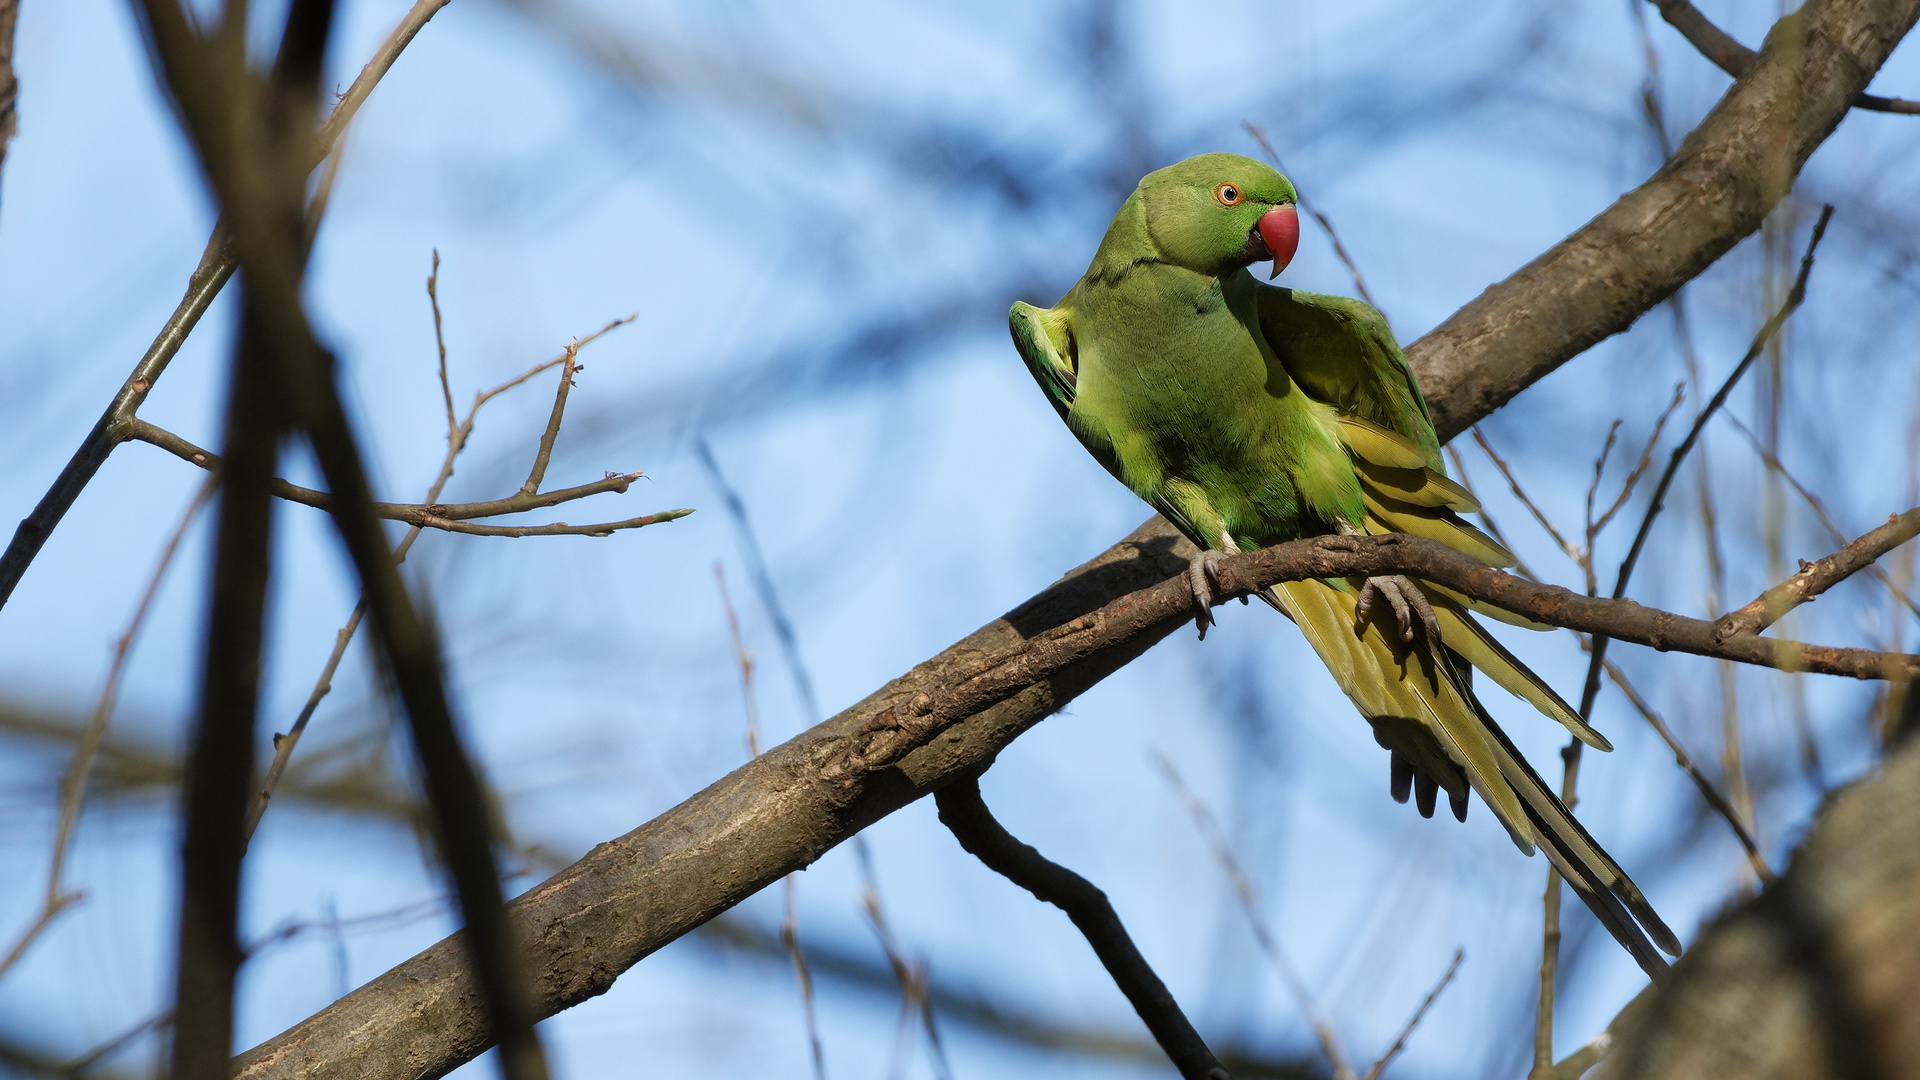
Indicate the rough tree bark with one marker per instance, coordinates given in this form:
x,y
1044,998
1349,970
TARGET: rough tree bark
x,y
1818,976
780,812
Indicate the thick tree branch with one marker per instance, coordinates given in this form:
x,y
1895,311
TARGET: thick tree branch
x,y
1721,184
631,895
964,813
1736,59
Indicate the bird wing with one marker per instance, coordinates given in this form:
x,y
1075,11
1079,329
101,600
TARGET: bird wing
x,y
1044,339
1341,351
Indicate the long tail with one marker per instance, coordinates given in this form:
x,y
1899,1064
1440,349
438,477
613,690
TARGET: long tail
x,y
1421,704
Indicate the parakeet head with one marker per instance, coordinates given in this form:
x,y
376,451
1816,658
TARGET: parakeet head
x,y
1216,213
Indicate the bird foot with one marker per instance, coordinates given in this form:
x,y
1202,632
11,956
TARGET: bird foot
x,y
1204,578
1405,598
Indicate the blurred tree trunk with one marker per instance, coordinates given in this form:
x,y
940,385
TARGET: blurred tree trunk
x,y
1818,976
9,84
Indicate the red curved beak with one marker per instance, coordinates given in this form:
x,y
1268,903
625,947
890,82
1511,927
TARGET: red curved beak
x,y
1280,231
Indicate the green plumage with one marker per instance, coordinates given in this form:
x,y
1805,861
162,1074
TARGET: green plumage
x,y
1250,415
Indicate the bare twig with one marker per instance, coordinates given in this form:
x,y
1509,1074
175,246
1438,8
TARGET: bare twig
x,y
458,432
217,264
1794,298
569,365
964,813
73,786
912,978
789,925
1820,510
440,343
1708,791
1573,550
1736,59
450,517
1639,469
1817,577
1339,249
1249,900
1400,1041
762,579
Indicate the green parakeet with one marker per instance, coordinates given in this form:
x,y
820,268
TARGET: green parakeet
x,y
1249,415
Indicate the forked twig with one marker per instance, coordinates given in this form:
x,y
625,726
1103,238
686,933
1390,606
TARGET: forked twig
x,y
458,434
216,266
1736,59
73,785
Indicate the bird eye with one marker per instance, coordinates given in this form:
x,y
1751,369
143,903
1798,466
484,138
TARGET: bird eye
x,y
1228,194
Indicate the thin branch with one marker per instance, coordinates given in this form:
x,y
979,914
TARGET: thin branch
x,y
217,264
1792,303
440,343
73,786
789,936
1708,791
1400,1041
1639,468
964,813
1736,59
1817,577
449,517
912,978
1820,509
458,434
1243,890
1573,551
1339,249
569,365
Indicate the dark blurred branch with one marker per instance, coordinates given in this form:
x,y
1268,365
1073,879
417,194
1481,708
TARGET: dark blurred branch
x,y
1815,977
966,814
247,130
447,517
254,139
217,264
1736,59
9,83
1718,188
1817,577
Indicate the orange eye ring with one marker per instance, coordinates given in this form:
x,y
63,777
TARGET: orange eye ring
x,y
1229,194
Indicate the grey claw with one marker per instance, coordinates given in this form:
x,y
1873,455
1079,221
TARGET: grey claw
x,y
1405,598
1202,578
